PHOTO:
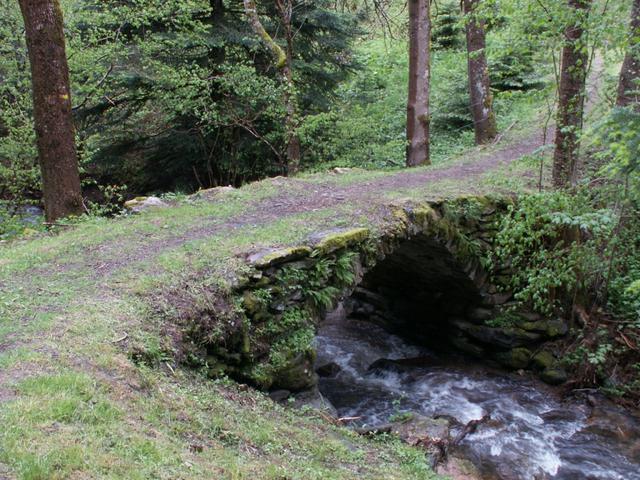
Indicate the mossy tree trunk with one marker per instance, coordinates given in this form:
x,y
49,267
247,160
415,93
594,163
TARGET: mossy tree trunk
x,y
571,93
419,79
283,61
285,9
484,119
629,83
52,108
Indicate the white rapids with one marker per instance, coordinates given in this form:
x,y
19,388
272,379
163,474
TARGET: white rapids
x,y
532,434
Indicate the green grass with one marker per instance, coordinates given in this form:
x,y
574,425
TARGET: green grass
x,y
75,304
75,404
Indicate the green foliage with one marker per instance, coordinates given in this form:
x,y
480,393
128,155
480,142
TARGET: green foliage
x,y
447,31
19,174
366,126
618,139
514,65
553,243
618,136
168,95
504,319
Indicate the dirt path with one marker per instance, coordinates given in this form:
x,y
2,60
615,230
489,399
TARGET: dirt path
x,y
297,196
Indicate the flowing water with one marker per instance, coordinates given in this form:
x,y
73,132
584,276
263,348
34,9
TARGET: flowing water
x,y
532,434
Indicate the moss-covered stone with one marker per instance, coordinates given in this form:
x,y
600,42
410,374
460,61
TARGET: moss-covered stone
x,y
463,344
269,258
556,328
216,367
502,337
550,328
251,303
515,358
554,376
330,242
424,215
139,204
543,360
297,375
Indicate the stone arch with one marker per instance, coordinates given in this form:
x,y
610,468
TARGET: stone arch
x,y
427,257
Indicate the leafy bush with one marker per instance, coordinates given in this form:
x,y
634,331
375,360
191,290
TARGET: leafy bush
x,y
553,243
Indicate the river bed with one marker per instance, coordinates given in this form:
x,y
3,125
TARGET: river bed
x,y
533,432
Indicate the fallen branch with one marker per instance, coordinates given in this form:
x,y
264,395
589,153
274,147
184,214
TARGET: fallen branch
x,y
348,419
444,446
118,340
502,134
470,428
628,342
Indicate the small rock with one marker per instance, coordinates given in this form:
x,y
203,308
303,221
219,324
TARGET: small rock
x,y
530,316
330,369
418,428
543,360
479,315
554,375
279,395
140,204
314,399
403,364
500,298
209,193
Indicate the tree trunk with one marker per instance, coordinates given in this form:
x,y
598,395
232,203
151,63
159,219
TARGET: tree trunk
x,y
484,119
217,54
629,84
419,77
52,108
285,8
571,94
283,61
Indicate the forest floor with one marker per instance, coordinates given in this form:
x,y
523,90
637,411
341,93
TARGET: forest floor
x,y
75,304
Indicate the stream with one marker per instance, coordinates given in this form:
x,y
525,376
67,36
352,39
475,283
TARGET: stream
x,y
533,433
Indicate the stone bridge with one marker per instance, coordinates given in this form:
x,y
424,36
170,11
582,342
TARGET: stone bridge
x,y
239,279
423,273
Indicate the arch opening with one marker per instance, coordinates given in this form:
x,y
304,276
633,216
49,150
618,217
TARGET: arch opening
x,y
415,292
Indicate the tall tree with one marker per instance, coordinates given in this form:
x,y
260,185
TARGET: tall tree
x,y
629,84
571,93
285,11
283,61
419,78
484,119
52,108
